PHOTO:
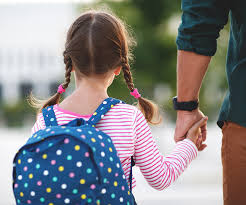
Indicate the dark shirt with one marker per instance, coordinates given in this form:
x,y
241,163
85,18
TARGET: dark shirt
x,y
202,21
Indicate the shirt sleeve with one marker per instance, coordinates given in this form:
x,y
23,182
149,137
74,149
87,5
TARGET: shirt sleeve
x,y
201,23
39,124
160,171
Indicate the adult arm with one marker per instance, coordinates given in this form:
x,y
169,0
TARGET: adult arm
x,y
202,21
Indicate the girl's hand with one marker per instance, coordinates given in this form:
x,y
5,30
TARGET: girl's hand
x,y
195,134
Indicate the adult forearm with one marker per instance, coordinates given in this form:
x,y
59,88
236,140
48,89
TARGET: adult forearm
x,y
191,69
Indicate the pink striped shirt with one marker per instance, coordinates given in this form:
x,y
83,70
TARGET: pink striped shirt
x,y
131,135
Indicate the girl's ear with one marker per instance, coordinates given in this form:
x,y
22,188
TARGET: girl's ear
x,y
117,70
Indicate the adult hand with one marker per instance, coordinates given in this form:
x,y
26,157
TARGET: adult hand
x,y
185,120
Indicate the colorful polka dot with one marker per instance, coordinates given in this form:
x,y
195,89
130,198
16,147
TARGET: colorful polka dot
x,y
66,141
53,162
110,149
21,194
66,201
30,160
48,190
112,195
44,156
83,196
61,168
25,168
46,172
19,161
75,191
93,186
54,179
63,186
37,166
26,185
93,139
32,193
115,183
58,152
109,170
71,175
39,183
79,164
87,154
89,171
30,176
42,199
82,181
69,157
103,191
77,147
58,196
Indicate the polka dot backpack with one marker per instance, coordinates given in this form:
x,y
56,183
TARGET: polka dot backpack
x,y
72,164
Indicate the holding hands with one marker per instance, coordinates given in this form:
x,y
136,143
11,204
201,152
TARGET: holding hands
x,y
193,126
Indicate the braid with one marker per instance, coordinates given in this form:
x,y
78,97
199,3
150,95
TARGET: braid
x,y
68,63
127,75
148,108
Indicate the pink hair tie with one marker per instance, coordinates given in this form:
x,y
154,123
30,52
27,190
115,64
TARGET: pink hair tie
x,y
61,89
135,93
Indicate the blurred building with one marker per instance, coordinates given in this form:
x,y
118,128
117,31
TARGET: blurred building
x,y
32,38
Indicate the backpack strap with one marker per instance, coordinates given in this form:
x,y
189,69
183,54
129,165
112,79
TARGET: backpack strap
x,y
49,116
103,108
130,177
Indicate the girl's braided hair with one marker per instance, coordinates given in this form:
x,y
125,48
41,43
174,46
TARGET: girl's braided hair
x,y
96,43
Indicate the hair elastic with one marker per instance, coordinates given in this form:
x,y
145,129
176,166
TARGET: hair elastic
x,y
135,93
61,89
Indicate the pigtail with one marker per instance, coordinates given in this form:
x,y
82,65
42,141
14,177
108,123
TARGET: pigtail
x,y
147,107
55,99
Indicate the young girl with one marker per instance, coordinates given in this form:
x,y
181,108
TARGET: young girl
x,y
97,50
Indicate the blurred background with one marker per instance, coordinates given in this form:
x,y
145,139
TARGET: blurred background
x,y
32,37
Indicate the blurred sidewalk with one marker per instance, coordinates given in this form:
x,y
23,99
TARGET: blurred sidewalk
x,y
200,184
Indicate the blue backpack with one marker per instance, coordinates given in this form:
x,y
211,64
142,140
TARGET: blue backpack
x,y
72,164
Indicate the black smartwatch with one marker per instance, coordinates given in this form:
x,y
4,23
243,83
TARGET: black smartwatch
x,y
186,106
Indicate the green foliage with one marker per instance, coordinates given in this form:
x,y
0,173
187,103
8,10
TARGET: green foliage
x,y
15,115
